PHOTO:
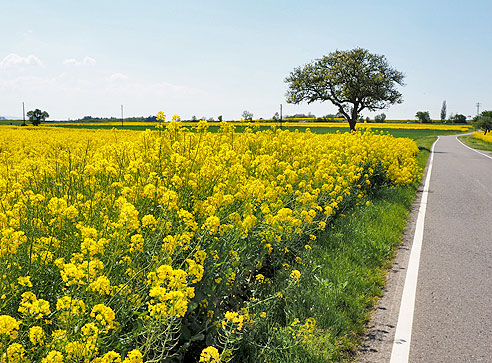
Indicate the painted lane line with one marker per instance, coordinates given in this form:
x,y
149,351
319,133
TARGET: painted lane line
x,y
403,334
487,156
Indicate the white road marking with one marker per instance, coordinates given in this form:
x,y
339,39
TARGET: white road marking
x,y
487,156
485,189
403,334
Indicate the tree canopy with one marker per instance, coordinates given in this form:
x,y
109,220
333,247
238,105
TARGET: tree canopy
x,y
37,116
380,118
459,118
352,80
423,117
443,110
247,116
483,122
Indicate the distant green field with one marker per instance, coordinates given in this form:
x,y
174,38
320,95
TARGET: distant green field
x,y
12,122
410,133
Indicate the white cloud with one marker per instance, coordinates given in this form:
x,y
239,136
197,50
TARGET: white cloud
x,y
71,94
87,62
14,60
117,77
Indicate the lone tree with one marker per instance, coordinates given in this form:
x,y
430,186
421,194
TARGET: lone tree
x,y
380,118
443,110
247,116
459,118
483,122
37,116
423,117
352,80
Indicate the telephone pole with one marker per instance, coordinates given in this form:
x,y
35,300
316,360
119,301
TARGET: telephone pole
x,y
23,114
281,116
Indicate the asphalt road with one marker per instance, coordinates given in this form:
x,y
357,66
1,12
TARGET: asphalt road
x,y
452,320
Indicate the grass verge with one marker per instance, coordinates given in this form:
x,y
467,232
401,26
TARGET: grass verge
x,y
474,143
350,263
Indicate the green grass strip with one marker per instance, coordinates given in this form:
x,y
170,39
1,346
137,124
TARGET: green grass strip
x,y
474,143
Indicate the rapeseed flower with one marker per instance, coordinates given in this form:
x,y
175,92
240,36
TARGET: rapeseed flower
x,y
295,275
209,355
14,353
9,326
104,317
53,356
36,335
134,356
34,307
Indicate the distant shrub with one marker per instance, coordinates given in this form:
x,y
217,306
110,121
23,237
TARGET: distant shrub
x,y
380,118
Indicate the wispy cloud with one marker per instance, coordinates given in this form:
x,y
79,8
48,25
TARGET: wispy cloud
x,y
86,62
72,94
14,60
117,77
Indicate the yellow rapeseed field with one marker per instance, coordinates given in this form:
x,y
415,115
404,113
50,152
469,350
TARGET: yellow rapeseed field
x,y
124,246
481,136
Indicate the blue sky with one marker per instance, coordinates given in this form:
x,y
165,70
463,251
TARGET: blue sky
x,y
210,58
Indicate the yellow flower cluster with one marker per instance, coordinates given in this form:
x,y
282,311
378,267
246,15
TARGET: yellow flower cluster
x,y
36,335
128,232
104,316
9,327
170,292
303,332
53,356
15,352
233,321
31,306
295,275
209,355
10,241
69,308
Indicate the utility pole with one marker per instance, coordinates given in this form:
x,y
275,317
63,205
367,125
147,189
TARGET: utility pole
x,y
280,116
478,108
121,115
23,114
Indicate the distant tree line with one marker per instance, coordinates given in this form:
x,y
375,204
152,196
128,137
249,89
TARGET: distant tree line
x,y
424,117
114,119
421,116
301,115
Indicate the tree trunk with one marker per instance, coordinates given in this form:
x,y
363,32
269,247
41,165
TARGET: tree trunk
x,y
353,119
352,124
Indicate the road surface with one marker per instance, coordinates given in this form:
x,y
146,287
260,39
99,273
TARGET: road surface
x,y
452,316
